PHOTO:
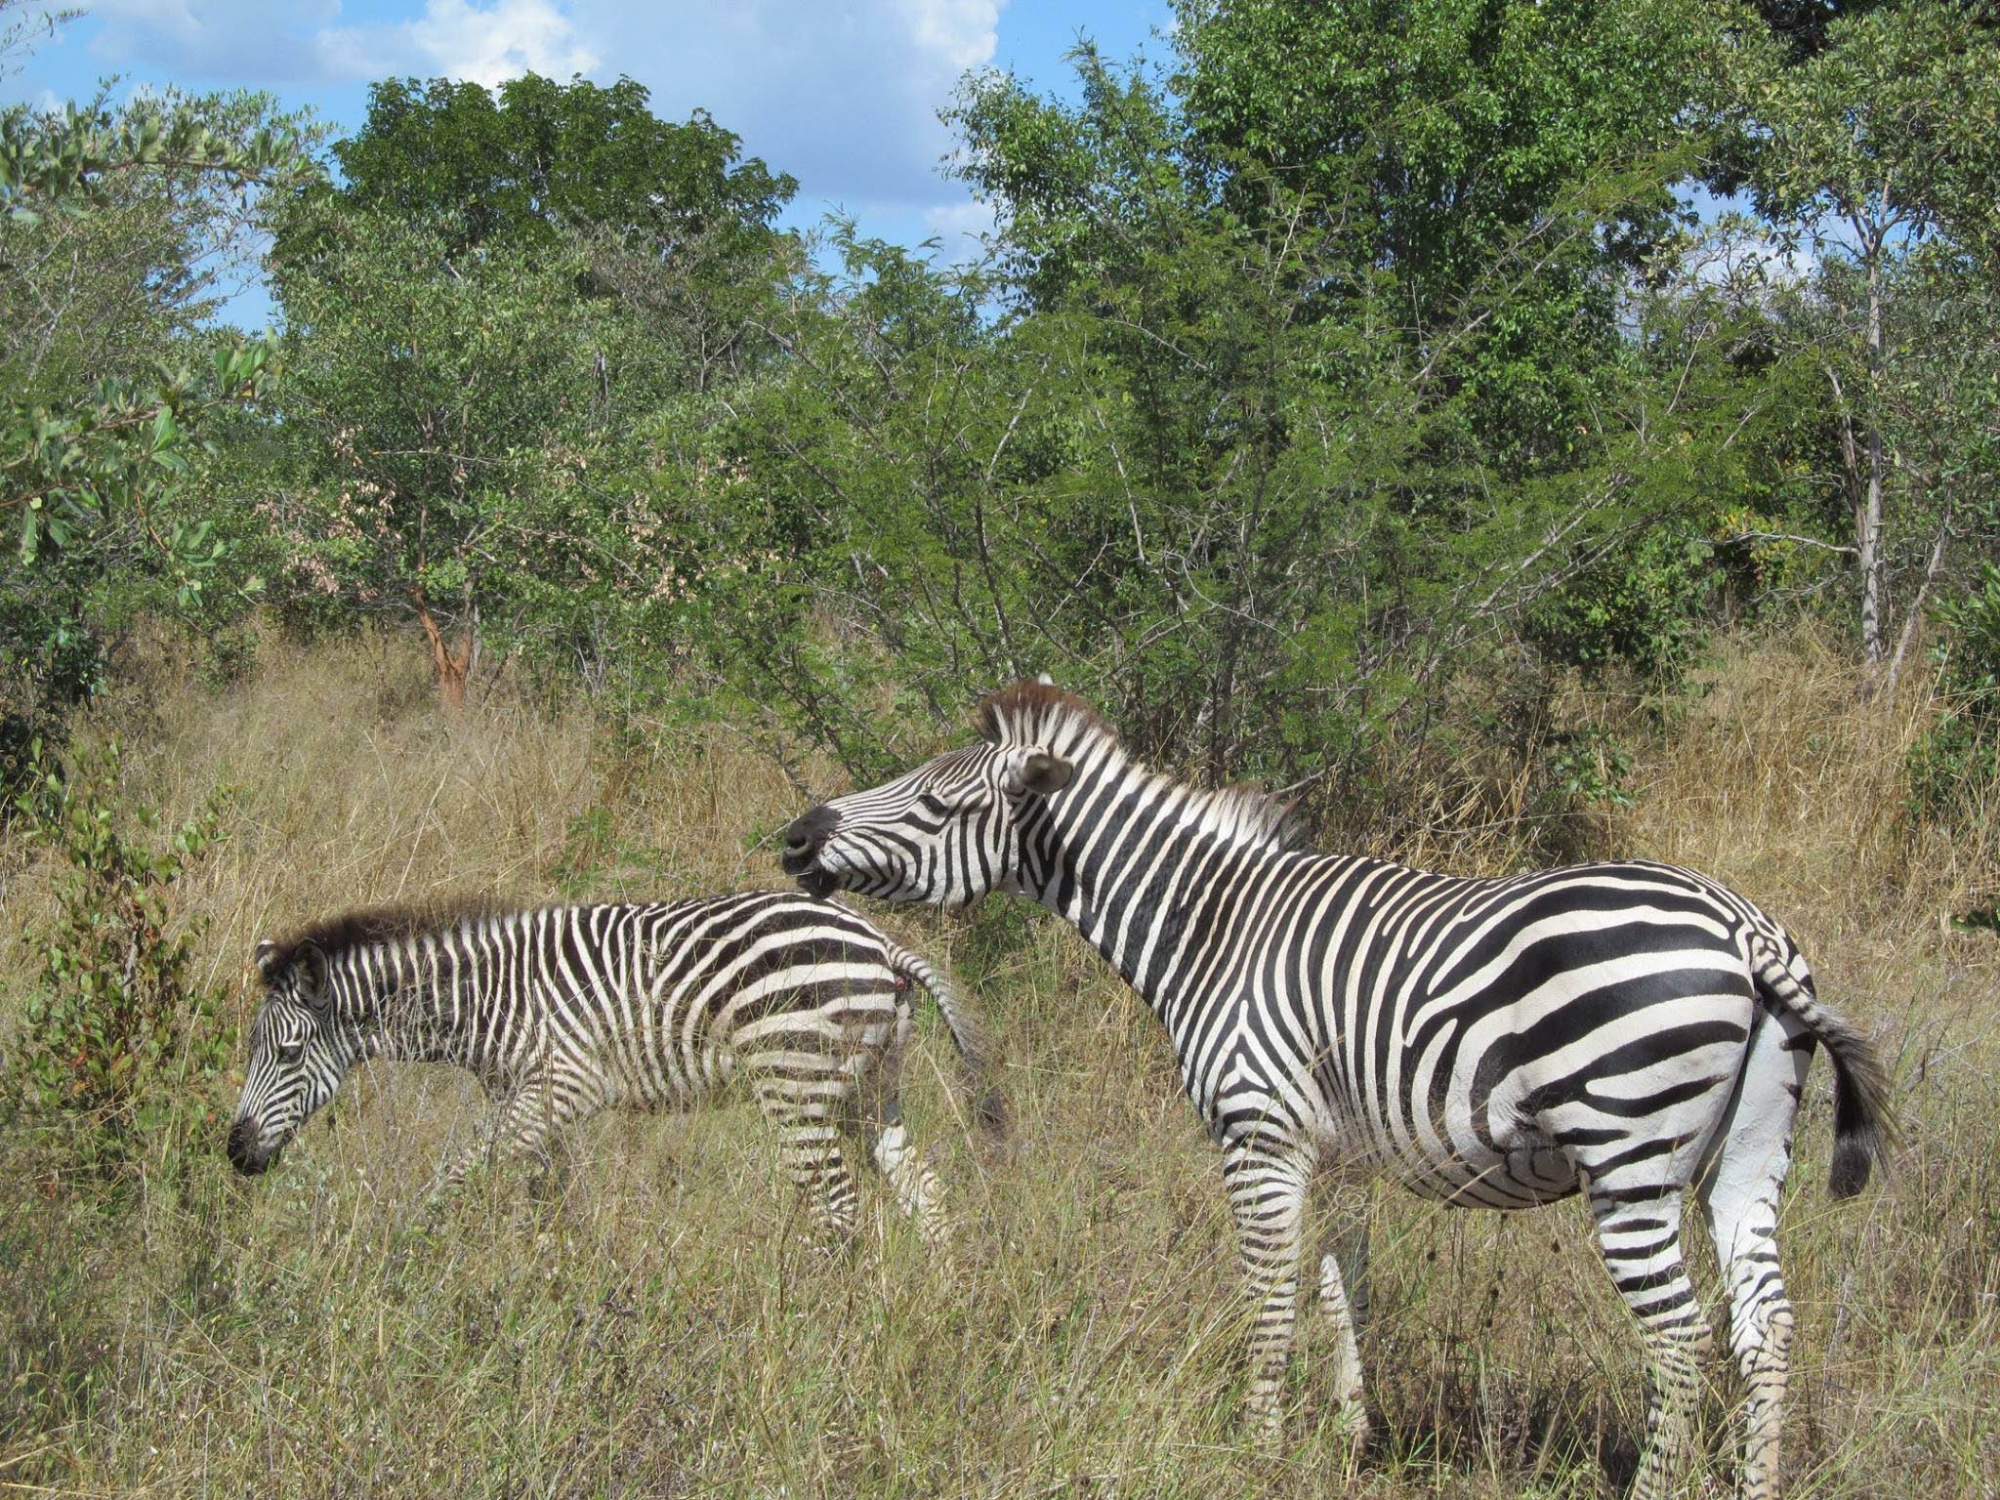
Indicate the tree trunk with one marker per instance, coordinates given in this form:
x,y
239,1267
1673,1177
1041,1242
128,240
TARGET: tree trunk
x,y
453,660
1915,613
1868,517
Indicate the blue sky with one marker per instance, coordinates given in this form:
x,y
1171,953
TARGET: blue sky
x,y
843,94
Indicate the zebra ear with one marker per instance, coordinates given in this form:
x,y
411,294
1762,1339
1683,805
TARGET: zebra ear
x,y
266,958
1039,774
312,976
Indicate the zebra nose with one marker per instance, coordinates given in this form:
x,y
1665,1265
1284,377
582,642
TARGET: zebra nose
x,y
804,838
243,1148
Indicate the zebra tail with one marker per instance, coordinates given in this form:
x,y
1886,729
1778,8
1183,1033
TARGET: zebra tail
x,y
989,1105
1864,1123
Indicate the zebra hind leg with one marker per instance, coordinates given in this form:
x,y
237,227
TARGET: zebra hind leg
x,y
1640,1240
807,1112
1740,1194
1343,1303
1267,1194
916,1186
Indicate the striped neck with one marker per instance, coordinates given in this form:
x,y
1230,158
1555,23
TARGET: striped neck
x,y
1140,864
418,998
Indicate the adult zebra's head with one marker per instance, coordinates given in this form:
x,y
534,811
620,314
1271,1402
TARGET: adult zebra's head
x,y
956,827
297,1057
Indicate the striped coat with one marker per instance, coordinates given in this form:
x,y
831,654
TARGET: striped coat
x,y
565,1011
1632,1031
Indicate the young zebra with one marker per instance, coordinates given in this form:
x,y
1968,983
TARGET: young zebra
x,y
1631,1031
565,1011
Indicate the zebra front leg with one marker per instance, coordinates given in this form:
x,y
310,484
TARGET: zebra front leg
x,y
1640,1240
1267,1195
1343,1302
524,1126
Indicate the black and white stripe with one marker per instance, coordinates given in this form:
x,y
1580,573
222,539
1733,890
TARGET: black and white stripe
x,y
565,1011
1632,1031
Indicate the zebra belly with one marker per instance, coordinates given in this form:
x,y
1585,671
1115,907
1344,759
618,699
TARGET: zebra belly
x,y
1518,1166
1527,1174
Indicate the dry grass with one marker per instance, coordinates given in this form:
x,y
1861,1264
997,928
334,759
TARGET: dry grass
x,y
658,1326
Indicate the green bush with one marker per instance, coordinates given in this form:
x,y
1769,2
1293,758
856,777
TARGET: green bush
x,y
120,1045
1957,761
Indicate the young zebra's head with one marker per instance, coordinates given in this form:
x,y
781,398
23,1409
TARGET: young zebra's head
x,y
297,1055
958,826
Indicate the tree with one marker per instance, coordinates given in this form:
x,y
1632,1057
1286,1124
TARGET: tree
x,y
1196,465
1470,151
482,314
114,227
676,224
544,155
1874,144
448,409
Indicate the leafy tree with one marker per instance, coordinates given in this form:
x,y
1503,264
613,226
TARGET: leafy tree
x,y
448,411
1474,151
1954,768
115,225
674,222
1192,467
544,155
1877,142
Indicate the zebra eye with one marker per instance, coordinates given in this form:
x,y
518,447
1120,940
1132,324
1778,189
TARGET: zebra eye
x,y
933,805
291,1052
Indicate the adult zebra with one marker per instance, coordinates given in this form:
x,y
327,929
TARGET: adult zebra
x,y
565,1011
1630,1030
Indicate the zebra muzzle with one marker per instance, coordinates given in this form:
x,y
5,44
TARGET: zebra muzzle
x,y
803,841
245,1152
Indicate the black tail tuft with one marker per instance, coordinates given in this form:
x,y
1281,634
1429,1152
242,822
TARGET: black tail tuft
x,y
1863,1124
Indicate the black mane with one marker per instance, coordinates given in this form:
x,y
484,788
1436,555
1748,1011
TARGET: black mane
x,y
336,935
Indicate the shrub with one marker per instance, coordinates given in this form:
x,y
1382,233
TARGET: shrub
x,y
1957,761
120,1045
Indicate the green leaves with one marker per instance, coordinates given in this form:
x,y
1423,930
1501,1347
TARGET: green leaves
x,y
121,1047
1889,127
71,470
520,165
447,417
66,161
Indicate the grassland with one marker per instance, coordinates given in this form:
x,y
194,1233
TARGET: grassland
x,y
653,1323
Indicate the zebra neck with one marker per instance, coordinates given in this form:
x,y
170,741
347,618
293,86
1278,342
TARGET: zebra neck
x,y
416,1001
1144,869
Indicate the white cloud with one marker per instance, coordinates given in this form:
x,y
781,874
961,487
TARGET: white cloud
x,y
843,94
249,42
489,46
962,32
957,228
259,43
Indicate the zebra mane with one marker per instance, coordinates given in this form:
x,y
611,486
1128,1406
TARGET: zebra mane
x,y
1037,713
349,930
1034,712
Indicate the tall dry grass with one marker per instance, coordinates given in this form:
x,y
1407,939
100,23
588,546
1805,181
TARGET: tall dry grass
x,y
658,1325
